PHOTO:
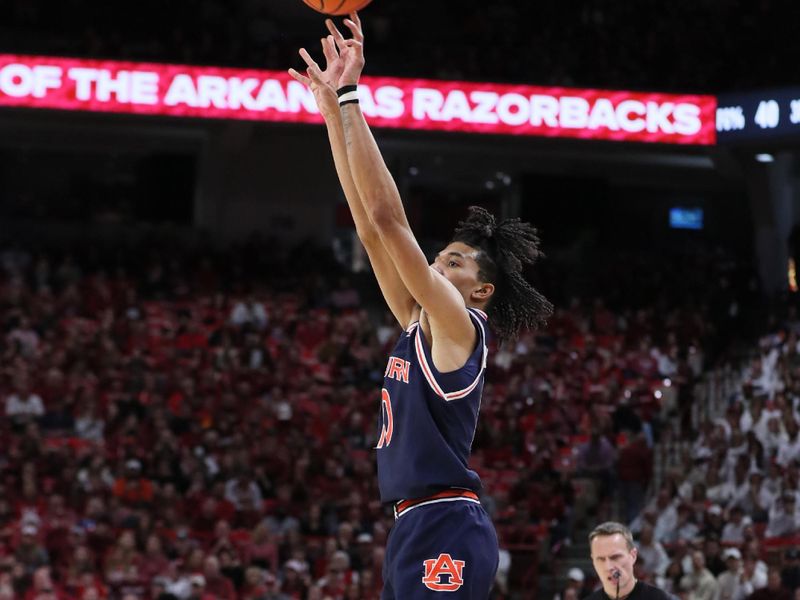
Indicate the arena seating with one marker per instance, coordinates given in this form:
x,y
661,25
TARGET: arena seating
x,y
208,421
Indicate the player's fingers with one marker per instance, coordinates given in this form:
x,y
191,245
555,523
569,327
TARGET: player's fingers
x,y
337,35
357,22
307,57
315,74
329,49
353,44
299,77
325,50
341,44
354,29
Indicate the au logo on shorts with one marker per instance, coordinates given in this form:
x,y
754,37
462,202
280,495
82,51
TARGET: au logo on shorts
x,y
444,574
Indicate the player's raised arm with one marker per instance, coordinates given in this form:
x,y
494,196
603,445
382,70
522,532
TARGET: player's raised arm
x,y
439,298
323,85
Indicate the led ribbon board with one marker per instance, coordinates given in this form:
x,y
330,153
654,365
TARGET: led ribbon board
x,y
222,93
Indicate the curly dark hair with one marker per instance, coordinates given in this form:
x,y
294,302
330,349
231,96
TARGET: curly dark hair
x,y
504,250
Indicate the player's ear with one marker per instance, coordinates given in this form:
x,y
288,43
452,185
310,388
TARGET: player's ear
x,y
484,292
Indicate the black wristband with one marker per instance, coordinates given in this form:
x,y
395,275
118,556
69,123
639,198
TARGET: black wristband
x,y
348,102
346,89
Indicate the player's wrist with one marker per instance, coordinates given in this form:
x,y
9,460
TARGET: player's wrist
x,y
347,94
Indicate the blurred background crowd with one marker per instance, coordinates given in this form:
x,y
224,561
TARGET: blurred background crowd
x,y
192,422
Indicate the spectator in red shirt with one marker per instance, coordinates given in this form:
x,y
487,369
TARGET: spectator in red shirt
x,y
369,584
295,579
216,584
634,470
7,579
93,593
43,587
337,576
255,583
202,510
154,560
262,549
132,488
222,539
774,589
58,522
91,588
81,561
123,562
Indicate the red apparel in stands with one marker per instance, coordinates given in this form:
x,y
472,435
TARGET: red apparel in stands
x,y
335,585
133,491
253,592
261,549
768,594
220,587
635,461
94,586
43,587
153,561
98,365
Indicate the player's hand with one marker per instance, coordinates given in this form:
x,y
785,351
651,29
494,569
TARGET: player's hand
x,y
334,64
351,50
322,83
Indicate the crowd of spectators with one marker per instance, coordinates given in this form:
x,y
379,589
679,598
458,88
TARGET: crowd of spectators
x,y
699,46
186,422
726,523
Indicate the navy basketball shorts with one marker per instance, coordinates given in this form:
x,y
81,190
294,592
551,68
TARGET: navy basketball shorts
x,y
440,549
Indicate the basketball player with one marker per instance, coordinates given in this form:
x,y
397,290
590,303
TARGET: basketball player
x,y
443,543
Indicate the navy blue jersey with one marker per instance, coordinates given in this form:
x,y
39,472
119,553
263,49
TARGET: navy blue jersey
x,y
428,419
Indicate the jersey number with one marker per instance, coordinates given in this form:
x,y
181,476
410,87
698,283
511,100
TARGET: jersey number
x,y
387,420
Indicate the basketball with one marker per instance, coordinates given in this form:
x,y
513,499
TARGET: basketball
x,y
337,7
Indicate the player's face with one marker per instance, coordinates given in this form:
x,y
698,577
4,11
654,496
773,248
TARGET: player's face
x,y
610,554
457,263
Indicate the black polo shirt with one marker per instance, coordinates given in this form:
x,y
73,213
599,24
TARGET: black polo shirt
x,y
640,591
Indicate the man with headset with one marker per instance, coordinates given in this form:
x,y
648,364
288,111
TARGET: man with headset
x,y
613,556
